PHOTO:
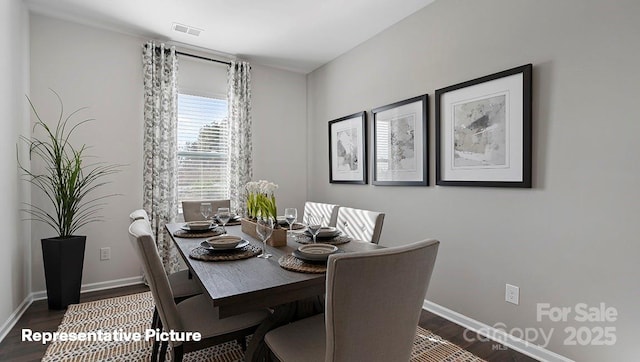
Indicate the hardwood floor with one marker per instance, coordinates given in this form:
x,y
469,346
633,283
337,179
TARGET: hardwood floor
x,y
39,318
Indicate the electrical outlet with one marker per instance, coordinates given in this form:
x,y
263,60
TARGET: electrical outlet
x,y
512,294
105,253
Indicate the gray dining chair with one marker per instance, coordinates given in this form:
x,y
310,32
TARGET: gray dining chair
x,y
191,209
394,280
360,224
195,314
328,211
182,283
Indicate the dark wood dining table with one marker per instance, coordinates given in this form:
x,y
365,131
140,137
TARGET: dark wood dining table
x,y
243,285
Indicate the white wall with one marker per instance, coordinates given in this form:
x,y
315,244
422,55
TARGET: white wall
x,y
103,70
279,133
571,239
14,67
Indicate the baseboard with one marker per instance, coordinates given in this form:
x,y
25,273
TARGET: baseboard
x,y
85,288
14,317
94,287
497,335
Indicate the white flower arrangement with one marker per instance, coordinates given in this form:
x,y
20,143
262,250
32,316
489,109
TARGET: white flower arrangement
x,y
261,201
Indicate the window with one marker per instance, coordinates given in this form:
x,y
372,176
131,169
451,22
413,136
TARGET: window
x,y
203,148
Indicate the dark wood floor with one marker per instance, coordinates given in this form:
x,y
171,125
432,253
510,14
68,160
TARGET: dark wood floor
x,y
39,318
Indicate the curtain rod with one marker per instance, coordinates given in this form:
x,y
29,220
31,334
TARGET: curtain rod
x,y
203,58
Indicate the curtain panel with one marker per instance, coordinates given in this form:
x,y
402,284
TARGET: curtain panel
x,y
160,67
240,150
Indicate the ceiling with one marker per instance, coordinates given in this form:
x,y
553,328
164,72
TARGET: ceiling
x,y
298,35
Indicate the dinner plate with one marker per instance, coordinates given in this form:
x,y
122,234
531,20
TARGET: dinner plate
x,y
317,251
326,232
224,241
197,228
233,218
242,244
299,255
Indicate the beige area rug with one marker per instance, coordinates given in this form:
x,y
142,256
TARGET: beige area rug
x,y
132,313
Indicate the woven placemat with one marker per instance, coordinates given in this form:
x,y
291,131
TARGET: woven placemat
x,y
188,234
306,239
292,263
247,252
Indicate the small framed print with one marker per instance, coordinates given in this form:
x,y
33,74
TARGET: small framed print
x,y
348,149
400,143
483,131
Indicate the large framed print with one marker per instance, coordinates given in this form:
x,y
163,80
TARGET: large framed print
x,y
400,143
348,149
483,131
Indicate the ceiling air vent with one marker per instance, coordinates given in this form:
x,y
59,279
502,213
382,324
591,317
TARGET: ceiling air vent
x,y
186,29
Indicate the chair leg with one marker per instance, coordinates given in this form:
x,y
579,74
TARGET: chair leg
x,y
156,323
178,352
163,351
242,341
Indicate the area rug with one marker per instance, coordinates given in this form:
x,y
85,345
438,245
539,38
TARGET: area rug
x,y
132,313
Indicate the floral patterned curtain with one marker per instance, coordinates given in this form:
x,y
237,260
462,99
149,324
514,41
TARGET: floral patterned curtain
x,y
239,98
160,66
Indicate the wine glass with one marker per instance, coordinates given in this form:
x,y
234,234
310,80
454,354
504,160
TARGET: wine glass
x,y
314,224
291,214
264,228
224,215
205,209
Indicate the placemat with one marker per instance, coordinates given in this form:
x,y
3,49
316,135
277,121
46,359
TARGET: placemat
x,y
292,263
306,239
247,252
188,234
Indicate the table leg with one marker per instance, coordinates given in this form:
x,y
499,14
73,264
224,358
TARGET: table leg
x,y
282,314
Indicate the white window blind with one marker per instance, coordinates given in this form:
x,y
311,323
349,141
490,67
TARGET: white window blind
x,y
203,146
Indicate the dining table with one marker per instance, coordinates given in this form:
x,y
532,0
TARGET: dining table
x,y
239,286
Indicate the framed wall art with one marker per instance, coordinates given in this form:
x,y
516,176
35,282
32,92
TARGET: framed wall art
x,y
400,143
348,149
483,131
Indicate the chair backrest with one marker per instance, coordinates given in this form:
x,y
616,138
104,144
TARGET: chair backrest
x,y
138,214
144,244
191,209
374,300
328,211
360,224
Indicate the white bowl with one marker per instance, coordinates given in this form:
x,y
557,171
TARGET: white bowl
x,y
198,225
317,251
224,241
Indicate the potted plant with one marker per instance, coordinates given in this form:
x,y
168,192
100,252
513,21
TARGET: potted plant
x,y
69,183
261,202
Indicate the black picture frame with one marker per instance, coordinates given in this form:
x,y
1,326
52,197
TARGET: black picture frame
x,y
483,131
410,165
348,149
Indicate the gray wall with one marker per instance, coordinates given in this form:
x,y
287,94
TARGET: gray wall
x,y
14,72
103,70
571,239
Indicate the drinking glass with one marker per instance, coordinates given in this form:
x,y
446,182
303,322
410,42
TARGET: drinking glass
x,y
291,215
314,224
224,215
205,209
264,228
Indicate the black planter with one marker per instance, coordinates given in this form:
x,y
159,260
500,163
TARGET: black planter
x,y
63,261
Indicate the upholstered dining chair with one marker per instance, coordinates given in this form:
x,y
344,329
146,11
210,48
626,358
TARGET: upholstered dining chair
x,y
360,224
394,279
191,209
195,314
328,211
182,283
